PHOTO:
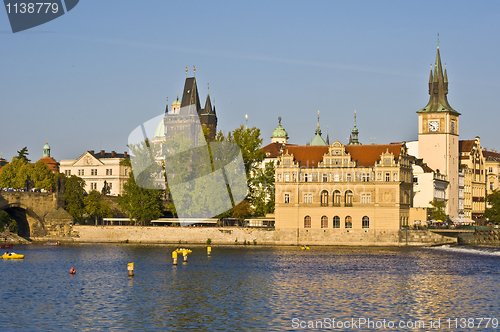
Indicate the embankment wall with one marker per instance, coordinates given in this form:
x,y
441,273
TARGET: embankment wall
x,y
237,235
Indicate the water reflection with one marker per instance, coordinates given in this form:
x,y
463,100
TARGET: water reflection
x,y
241,287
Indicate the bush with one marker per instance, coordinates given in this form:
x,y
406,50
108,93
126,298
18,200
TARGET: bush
x,y
209,241
13,226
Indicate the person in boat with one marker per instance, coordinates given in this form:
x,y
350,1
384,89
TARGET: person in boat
x,y
6,253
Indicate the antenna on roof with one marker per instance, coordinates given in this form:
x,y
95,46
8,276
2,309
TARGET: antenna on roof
x,y
186,71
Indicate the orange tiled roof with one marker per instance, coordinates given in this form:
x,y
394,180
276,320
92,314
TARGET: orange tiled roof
x,y
365,155
490,155
273,150
53,165
466,146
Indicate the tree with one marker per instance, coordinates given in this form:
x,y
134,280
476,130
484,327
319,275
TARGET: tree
x,y
22,155
96,208
493,213
141,204
42,176
262,190
73,197
438,210
14,174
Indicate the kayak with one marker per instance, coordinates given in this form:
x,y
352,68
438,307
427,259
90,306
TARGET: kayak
x,y
12,256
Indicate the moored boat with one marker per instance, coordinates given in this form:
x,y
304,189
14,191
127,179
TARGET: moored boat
x,y
12,255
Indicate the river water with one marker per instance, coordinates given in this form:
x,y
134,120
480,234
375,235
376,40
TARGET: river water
x,y
250,288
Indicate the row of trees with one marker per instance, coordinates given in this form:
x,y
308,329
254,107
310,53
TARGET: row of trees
x,y
20,173
145,202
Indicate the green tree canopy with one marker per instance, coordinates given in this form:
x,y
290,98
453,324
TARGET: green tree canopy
x,y
95,207
438,210
141,204
23,155
73,197
493,212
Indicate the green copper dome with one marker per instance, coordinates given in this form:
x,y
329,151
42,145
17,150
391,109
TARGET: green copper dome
x,y
160,130
46,150
279,132
177,102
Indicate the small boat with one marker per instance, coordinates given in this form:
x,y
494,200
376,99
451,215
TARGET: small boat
x,y
12,255
6,245
52,243
183,250
304,247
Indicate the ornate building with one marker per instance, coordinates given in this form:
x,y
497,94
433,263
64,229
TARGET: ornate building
x,y
472,164
343,186
279,134
438,134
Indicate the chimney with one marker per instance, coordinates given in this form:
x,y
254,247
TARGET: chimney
x,y
125,154
102,153
91,151
113,153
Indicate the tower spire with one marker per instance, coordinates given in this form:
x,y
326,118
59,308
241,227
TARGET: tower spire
x,y
353,139
438,88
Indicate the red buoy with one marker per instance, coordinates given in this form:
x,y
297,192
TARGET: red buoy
x,y
72,271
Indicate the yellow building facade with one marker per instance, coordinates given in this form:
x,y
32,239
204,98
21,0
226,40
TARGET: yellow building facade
x,y
472,163
343,187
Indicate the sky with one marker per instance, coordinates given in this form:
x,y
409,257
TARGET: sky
x,y
85,80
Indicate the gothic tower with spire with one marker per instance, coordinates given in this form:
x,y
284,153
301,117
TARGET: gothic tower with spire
x,y
438,143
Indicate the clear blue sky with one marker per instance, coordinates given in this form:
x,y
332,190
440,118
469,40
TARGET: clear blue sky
x,y
88,78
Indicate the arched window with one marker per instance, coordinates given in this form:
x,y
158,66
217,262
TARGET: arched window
x,y
336,222
307,222
324,222
348,198
336,198
324,198
348,222
366,222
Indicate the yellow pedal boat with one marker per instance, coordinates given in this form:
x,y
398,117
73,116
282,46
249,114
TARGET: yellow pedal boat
x,y
12,256
304,247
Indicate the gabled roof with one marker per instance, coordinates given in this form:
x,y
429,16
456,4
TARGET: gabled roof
x,y
491,156
466,145
364,155
367,155
273,150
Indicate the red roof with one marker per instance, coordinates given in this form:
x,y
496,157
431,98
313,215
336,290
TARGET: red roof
x,y
466,146
365,155
53,165
490,155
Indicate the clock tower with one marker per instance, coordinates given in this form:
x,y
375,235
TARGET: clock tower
x,y
438,134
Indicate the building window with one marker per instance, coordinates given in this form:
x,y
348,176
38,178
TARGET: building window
x,y
324,222
279,177
366,198
305,198
348,198
348,222
110,186
81,172
293,177
287,198
366,177
306,177
93,171
67,172
324,198
109,171
336,198
491,185
337,178
310,200
336,222
415,179
307,222
490,169
126,171
93,186
325,177
387,177
348,177
395,177
287,177
366,222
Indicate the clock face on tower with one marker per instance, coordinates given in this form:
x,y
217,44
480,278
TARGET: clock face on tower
x,y
433,126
